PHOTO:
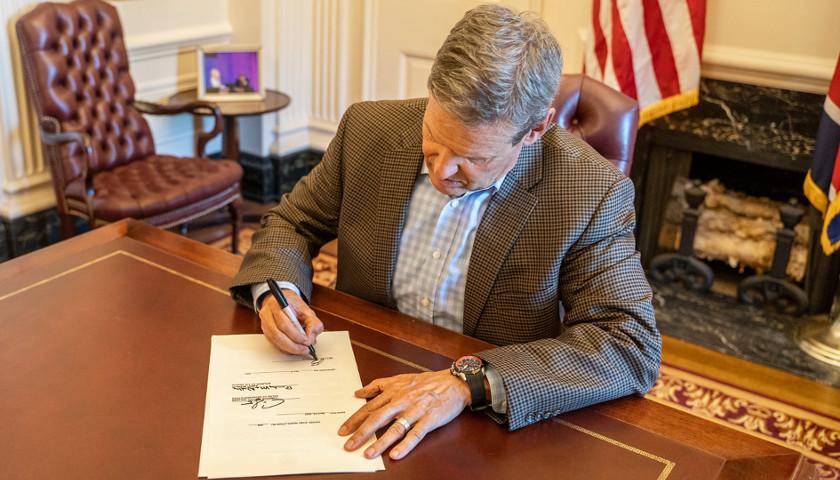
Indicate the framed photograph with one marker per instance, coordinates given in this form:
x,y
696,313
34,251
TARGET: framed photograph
x,y
230,73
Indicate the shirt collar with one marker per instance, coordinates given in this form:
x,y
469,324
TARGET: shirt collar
x,y
424,170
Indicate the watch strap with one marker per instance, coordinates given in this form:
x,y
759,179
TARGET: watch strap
x,y
475,382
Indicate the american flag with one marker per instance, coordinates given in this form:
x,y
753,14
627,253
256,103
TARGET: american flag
x,y
650,50
823,180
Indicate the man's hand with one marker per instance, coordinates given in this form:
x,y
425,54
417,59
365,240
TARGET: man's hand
x,y
280,331
426,400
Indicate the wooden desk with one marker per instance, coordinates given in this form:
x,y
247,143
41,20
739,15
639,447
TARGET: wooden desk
x,y
104,350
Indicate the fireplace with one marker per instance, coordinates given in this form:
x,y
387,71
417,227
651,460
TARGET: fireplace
x,y
752,140
748,140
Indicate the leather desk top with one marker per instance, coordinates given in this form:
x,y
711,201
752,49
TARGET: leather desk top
x,y
104,351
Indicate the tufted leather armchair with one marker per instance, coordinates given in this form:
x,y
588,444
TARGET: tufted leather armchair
x,y
100,148
605,118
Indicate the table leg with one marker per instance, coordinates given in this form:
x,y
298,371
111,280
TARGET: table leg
x,y
230,138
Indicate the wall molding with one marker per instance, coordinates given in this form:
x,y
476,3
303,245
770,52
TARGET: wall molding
x,y
769,69
156,90
369,57
163,44
28,201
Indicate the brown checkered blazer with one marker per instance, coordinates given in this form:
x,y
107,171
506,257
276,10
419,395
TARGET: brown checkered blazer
x,y
554,277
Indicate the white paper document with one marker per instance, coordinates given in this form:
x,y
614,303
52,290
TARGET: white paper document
x,y
268,413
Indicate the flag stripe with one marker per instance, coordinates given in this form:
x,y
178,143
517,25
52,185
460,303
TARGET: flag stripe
x,y
606,25
835,178
828,138
697,9
663,55
622,59
600,41
832,109
834,90
685,52
631,14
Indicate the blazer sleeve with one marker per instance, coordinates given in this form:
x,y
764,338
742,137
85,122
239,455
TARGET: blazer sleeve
x,y
608,345
292,233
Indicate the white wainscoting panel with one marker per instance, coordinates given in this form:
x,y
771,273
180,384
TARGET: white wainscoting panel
x,y
24,174
414,71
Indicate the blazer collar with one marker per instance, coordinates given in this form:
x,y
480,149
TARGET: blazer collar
x,y
503,221
398,172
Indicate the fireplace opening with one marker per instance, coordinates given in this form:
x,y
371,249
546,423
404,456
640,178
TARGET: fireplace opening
x,y
739,220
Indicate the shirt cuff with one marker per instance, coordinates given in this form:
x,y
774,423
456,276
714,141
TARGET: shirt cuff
x,y
497,390
258,289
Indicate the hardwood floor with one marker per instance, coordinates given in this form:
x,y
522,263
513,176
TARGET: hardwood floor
x,y
763,380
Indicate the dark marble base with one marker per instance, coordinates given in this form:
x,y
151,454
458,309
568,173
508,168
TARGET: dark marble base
x,y
4,244
721,323
259,182
265,179
292,167
31,232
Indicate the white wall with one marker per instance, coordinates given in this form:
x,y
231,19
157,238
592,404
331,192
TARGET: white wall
x,y
24,178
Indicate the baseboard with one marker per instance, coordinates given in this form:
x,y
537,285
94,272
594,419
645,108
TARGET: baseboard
x,y
28,233
265,179
4,244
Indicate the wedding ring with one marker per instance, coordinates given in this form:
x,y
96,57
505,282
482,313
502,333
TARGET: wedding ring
x,y
404,423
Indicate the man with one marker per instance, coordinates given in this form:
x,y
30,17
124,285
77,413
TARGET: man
x,y
467,210
216,85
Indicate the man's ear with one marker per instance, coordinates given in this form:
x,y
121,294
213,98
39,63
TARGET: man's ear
x,y
537,132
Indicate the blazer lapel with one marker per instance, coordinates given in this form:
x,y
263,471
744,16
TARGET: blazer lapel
x,y
506,215
397,176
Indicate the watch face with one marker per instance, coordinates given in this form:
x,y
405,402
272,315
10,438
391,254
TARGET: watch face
x,y
469,365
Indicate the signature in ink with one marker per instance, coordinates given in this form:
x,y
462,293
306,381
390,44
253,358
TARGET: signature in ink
x,y
250,387
263,403
315,363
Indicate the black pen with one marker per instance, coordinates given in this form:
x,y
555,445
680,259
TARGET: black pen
x,y
281,299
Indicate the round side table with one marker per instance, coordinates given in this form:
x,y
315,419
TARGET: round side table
x,y
231,110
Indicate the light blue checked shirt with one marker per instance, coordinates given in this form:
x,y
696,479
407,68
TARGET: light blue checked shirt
x,y
435,250
432,263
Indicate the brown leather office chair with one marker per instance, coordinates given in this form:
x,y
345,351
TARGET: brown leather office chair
x,y
100,148
603,117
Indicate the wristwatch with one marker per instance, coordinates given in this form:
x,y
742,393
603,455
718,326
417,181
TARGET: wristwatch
x,y
470,369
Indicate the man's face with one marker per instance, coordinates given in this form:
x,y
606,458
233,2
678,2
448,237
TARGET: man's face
x,y
462,158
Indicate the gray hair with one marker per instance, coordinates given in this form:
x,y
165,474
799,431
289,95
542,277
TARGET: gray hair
x,y
497,65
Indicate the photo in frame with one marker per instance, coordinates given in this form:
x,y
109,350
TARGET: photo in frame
x,y
230,73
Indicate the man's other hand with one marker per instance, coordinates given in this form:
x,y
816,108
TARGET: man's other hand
x,y
426,400
280,331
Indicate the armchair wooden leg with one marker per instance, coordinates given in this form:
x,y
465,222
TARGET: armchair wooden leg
x,y
68,226
234,208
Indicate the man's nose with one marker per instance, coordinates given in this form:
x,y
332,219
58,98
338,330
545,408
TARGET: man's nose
x,y
446,166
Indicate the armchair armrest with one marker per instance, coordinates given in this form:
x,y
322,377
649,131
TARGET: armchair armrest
x,y
52,135
197,107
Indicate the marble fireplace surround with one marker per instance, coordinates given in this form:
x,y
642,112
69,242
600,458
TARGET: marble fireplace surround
x,y
757,125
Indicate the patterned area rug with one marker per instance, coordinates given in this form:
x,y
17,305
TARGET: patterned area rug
x,y
815,435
